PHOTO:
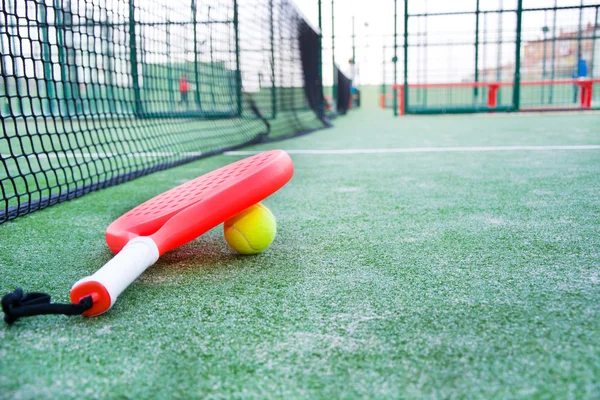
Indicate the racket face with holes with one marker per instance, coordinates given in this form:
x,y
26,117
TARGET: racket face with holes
x,y
185,212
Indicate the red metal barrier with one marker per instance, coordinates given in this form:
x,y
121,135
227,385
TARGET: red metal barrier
x,y
586,89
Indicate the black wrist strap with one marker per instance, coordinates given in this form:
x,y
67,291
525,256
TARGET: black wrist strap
x,y
16,305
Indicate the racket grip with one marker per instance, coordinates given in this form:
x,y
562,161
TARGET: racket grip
x,y
113,278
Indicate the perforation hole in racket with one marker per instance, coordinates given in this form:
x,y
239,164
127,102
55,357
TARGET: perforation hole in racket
x,y
196,189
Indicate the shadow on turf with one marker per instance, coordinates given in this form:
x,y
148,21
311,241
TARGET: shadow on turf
x,y
204,254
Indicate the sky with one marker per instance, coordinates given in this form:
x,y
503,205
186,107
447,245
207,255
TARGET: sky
x,y
446,58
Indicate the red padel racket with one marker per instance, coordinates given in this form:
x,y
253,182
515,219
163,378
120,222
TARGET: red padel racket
x,y
175,217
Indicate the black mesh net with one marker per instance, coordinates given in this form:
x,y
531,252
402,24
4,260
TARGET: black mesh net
x,y
95,93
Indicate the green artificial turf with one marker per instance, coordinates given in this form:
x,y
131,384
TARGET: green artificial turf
x,y
427,275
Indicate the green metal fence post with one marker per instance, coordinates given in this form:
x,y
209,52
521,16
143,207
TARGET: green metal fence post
x,y
238,72
144,71
133,56
406,104
544,34
594,45
517,82
553,67
212,58
321,103
334,86
579,55
14,49
170,86
272,37
476,89
577,65
425,44
353,46
196,58
484,51
74,103
46,60
4,108
108,61
499,58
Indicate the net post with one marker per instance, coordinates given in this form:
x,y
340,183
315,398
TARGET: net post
x,y
133,56
238,72
517,80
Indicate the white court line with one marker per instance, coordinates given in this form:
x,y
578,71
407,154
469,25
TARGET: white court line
x,y
316,152
425,150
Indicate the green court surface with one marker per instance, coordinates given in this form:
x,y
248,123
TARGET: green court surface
x,y
406,272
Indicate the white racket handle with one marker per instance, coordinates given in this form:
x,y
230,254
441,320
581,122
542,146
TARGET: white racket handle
x,y
116,275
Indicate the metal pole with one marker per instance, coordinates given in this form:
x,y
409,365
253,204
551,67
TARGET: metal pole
x,y
425,57
544,33
517,81
334,87
353,47
169,69
238,72
476,89
578,66
4,108
321,102
272,37
196,61
110,59
133,57
15,51
594,45
46,60
212,60
419,59
553,68
405,55
579,55
74,94
484,50
499,61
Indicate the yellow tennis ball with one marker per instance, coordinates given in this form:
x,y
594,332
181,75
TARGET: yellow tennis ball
x,y
251,231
